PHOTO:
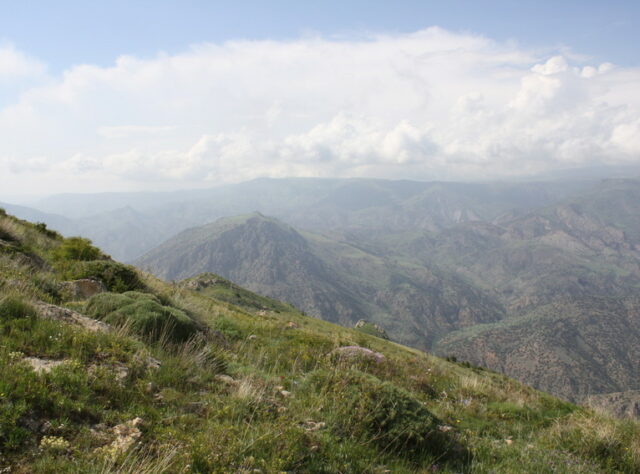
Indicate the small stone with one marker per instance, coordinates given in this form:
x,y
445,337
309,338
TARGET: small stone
x,y
252,337
355,352
310,425
226,379
41,366
285,393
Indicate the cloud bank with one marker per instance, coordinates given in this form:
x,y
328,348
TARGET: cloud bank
x,y
427,105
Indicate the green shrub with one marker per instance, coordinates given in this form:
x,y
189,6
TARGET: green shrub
x,y
76,248
143,314
12,307
366,408
102,304
229,328
116,276
42,228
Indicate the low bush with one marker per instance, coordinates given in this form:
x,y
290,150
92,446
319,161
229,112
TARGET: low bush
x,y
43,229
143,314
75,248
12,307
366,408
117,277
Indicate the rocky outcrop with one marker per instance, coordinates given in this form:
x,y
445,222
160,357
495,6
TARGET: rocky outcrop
x,y
50,311
82,289
357,352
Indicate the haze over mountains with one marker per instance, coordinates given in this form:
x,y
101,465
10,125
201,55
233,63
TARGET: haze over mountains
x,y
535,279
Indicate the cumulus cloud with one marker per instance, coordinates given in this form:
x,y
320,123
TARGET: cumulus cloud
x,y
427,105
16,65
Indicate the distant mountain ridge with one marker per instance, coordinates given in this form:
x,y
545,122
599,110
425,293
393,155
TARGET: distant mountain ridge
x,y
533,292
314,204
326,278
469,270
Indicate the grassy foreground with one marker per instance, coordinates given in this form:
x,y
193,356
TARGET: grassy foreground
x,y
183,378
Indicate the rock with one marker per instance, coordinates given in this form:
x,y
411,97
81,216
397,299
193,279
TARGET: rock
x,y
371,328
149,362
120,371
310,425
285,393
226,379
42,365
198,284
50,311
83,289
356,352
126,435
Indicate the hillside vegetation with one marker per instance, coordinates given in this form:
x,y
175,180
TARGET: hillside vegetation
x,y
107,369
519,278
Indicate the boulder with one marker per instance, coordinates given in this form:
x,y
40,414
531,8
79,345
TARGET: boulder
x,y
50,311
357,352
83,289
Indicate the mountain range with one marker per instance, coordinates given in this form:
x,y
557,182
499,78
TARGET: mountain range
x,y
105,368
534,279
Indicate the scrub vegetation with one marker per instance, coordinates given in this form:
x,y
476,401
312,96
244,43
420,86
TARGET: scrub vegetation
x,y
178,380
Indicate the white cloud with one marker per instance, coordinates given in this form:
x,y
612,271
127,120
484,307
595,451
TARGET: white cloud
x,y
432,104
16,65
126,131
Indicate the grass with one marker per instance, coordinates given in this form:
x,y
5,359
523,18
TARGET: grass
x,y
258,391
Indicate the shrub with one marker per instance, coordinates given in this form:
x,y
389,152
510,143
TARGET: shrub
x,y
143,314
116,276
76,248
374,411
228,328
42,228
102,304
12,307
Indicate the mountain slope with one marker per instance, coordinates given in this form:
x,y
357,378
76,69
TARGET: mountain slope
x,y
505,293
251,390
573,348
328,279
262,254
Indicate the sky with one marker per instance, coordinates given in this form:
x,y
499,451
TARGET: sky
x,y
158,95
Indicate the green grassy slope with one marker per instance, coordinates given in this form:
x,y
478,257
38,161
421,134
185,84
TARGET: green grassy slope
x,y
185,382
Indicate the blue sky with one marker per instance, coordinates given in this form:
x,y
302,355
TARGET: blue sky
x,y
65,32
146,95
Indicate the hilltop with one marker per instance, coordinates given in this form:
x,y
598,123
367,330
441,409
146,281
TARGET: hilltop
x,y
104,368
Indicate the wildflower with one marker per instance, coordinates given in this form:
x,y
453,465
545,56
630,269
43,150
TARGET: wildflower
x,y
54,443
